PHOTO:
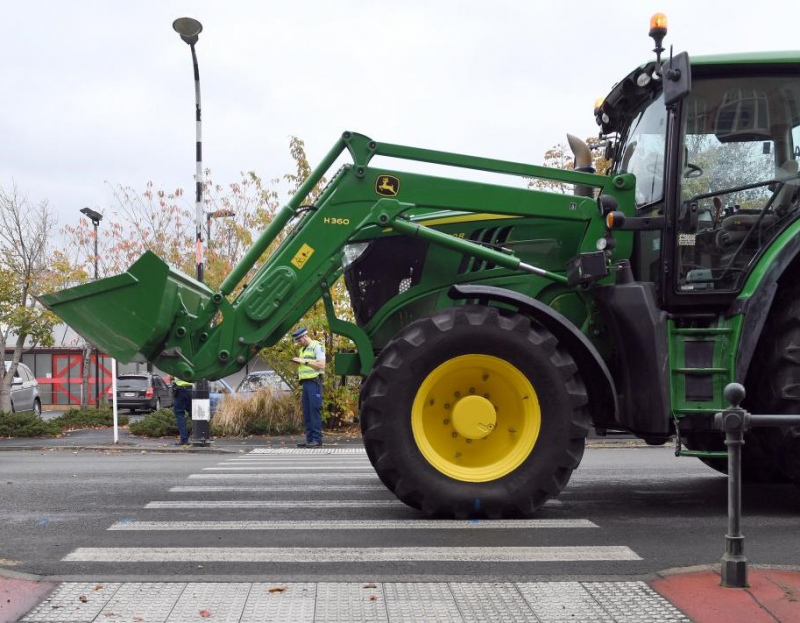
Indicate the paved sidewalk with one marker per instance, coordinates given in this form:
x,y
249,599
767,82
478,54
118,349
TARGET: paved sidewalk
x,y
682,596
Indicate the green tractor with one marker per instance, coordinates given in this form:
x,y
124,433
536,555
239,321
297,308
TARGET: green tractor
x,y
495,324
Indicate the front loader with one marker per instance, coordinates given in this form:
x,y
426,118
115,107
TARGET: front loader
x,y
495,324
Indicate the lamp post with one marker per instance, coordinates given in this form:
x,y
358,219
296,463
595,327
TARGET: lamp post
x,y
189,29
95,217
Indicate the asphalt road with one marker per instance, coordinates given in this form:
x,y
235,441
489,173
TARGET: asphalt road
x,y
111,516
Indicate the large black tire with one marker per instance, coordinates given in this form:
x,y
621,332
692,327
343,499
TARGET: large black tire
x,y
468,360
774,384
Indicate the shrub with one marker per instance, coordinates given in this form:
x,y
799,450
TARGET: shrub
x,y
88,418
160,423
26,425
264,413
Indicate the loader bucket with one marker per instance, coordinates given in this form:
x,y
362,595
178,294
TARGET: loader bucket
x,y
132,313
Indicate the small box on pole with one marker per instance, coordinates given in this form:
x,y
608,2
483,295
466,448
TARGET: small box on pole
x,y
201,414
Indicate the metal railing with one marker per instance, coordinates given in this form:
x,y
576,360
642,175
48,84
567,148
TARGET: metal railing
x,y
734,421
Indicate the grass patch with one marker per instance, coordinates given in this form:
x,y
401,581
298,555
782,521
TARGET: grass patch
x,y
26,425
261,414
160,423
75,419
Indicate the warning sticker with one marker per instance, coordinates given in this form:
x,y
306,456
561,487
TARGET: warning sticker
x,y
301,257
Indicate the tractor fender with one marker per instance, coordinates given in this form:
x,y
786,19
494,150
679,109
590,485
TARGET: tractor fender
x,y
599,384
757,306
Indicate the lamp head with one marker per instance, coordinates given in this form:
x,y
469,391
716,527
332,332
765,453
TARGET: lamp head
x,y
188,28
93,215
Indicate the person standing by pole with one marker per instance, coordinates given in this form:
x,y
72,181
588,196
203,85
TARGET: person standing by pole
x,y
181,404
311,366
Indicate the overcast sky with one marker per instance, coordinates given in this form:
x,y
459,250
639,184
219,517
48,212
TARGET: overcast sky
x,y
99,92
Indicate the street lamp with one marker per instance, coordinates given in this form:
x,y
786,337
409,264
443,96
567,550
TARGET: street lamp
x,y
189,29
95,217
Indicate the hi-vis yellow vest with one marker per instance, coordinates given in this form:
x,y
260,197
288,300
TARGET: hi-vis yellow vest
x,y
181,383
305,371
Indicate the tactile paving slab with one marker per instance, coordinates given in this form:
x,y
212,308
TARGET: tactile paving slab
x,y
338,602
280,603
211,602
634,602
74,602
491,602
563,602
413,602
143,602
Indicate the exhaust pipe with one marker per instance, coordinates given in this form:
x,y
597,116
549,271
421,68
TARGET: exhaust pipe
x,y
583,163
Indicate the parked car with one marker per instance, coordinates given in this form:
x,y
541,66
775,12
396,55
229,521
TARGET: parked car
x,y
268,379
24,390
142,391
216,390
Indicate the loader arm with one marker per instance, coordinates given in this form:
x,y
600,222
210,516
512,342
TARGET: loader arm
x,y
193,332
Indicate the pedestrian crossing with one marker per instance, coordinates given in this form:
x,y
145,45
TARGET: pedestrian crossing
x,y
326,480
326,542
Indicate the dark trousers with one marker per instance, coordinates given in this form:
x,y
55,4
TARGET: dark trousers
x,y
312,409
182,404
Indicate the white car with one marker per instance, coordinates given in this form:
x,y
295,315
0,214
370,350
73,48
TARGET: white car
x,y
24,390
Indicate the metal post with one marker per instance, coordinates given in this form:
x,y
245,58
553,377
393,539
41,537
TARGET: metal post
x,y
733,422
96,351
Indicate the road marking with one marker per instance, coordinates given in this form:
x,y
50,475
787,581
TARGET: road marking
x,y
292,477
395,524
306,451
273,488
309,503
278,462
350,554
282,468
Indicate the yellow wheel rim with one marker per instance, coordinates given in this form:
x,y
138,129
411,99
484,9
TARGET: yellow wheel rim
x,y
476,418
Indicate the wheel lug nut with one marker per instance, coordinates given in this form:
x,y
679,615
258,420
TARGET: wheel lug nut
x,y
432,401
447,405
455,435
471,390
469,440
458,394
446,422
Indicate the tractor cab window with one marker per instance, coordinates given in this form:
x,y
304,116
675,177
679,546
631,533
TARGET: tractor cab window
x,y
641,148
739,181
642,151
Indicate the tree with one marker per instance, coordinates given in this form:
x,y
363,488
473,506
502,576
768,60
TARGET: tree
x,y
560,157
25,271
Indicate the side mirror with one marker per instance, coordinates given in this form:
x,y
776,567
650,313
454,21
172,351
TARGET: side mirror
x,y
677,77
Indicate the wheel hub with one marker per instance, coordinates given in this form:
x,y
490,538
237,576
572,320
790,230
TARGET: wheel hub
x,y
474,417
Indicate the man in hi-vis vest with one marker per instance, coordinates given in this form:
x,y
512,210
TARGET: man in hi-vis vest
x,y
311,365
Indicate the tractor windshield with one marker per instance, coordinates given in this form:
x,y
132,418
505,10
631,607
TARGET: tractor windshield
x,y
740,175
642,148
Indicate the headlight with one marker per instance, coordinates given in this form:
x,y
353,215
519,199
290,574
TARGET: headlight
x,y
352,252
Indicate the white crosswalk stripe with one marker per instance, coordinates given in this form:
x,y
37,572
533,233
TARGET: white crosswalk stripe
x,y
356,524
350,554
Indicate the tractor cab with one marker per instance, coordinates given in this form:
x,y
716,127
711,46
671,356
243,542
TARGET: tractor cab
x,y
720,165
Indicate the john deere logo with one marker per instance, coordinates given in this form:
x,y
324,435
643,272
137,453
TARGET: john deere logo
x,y
387,185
